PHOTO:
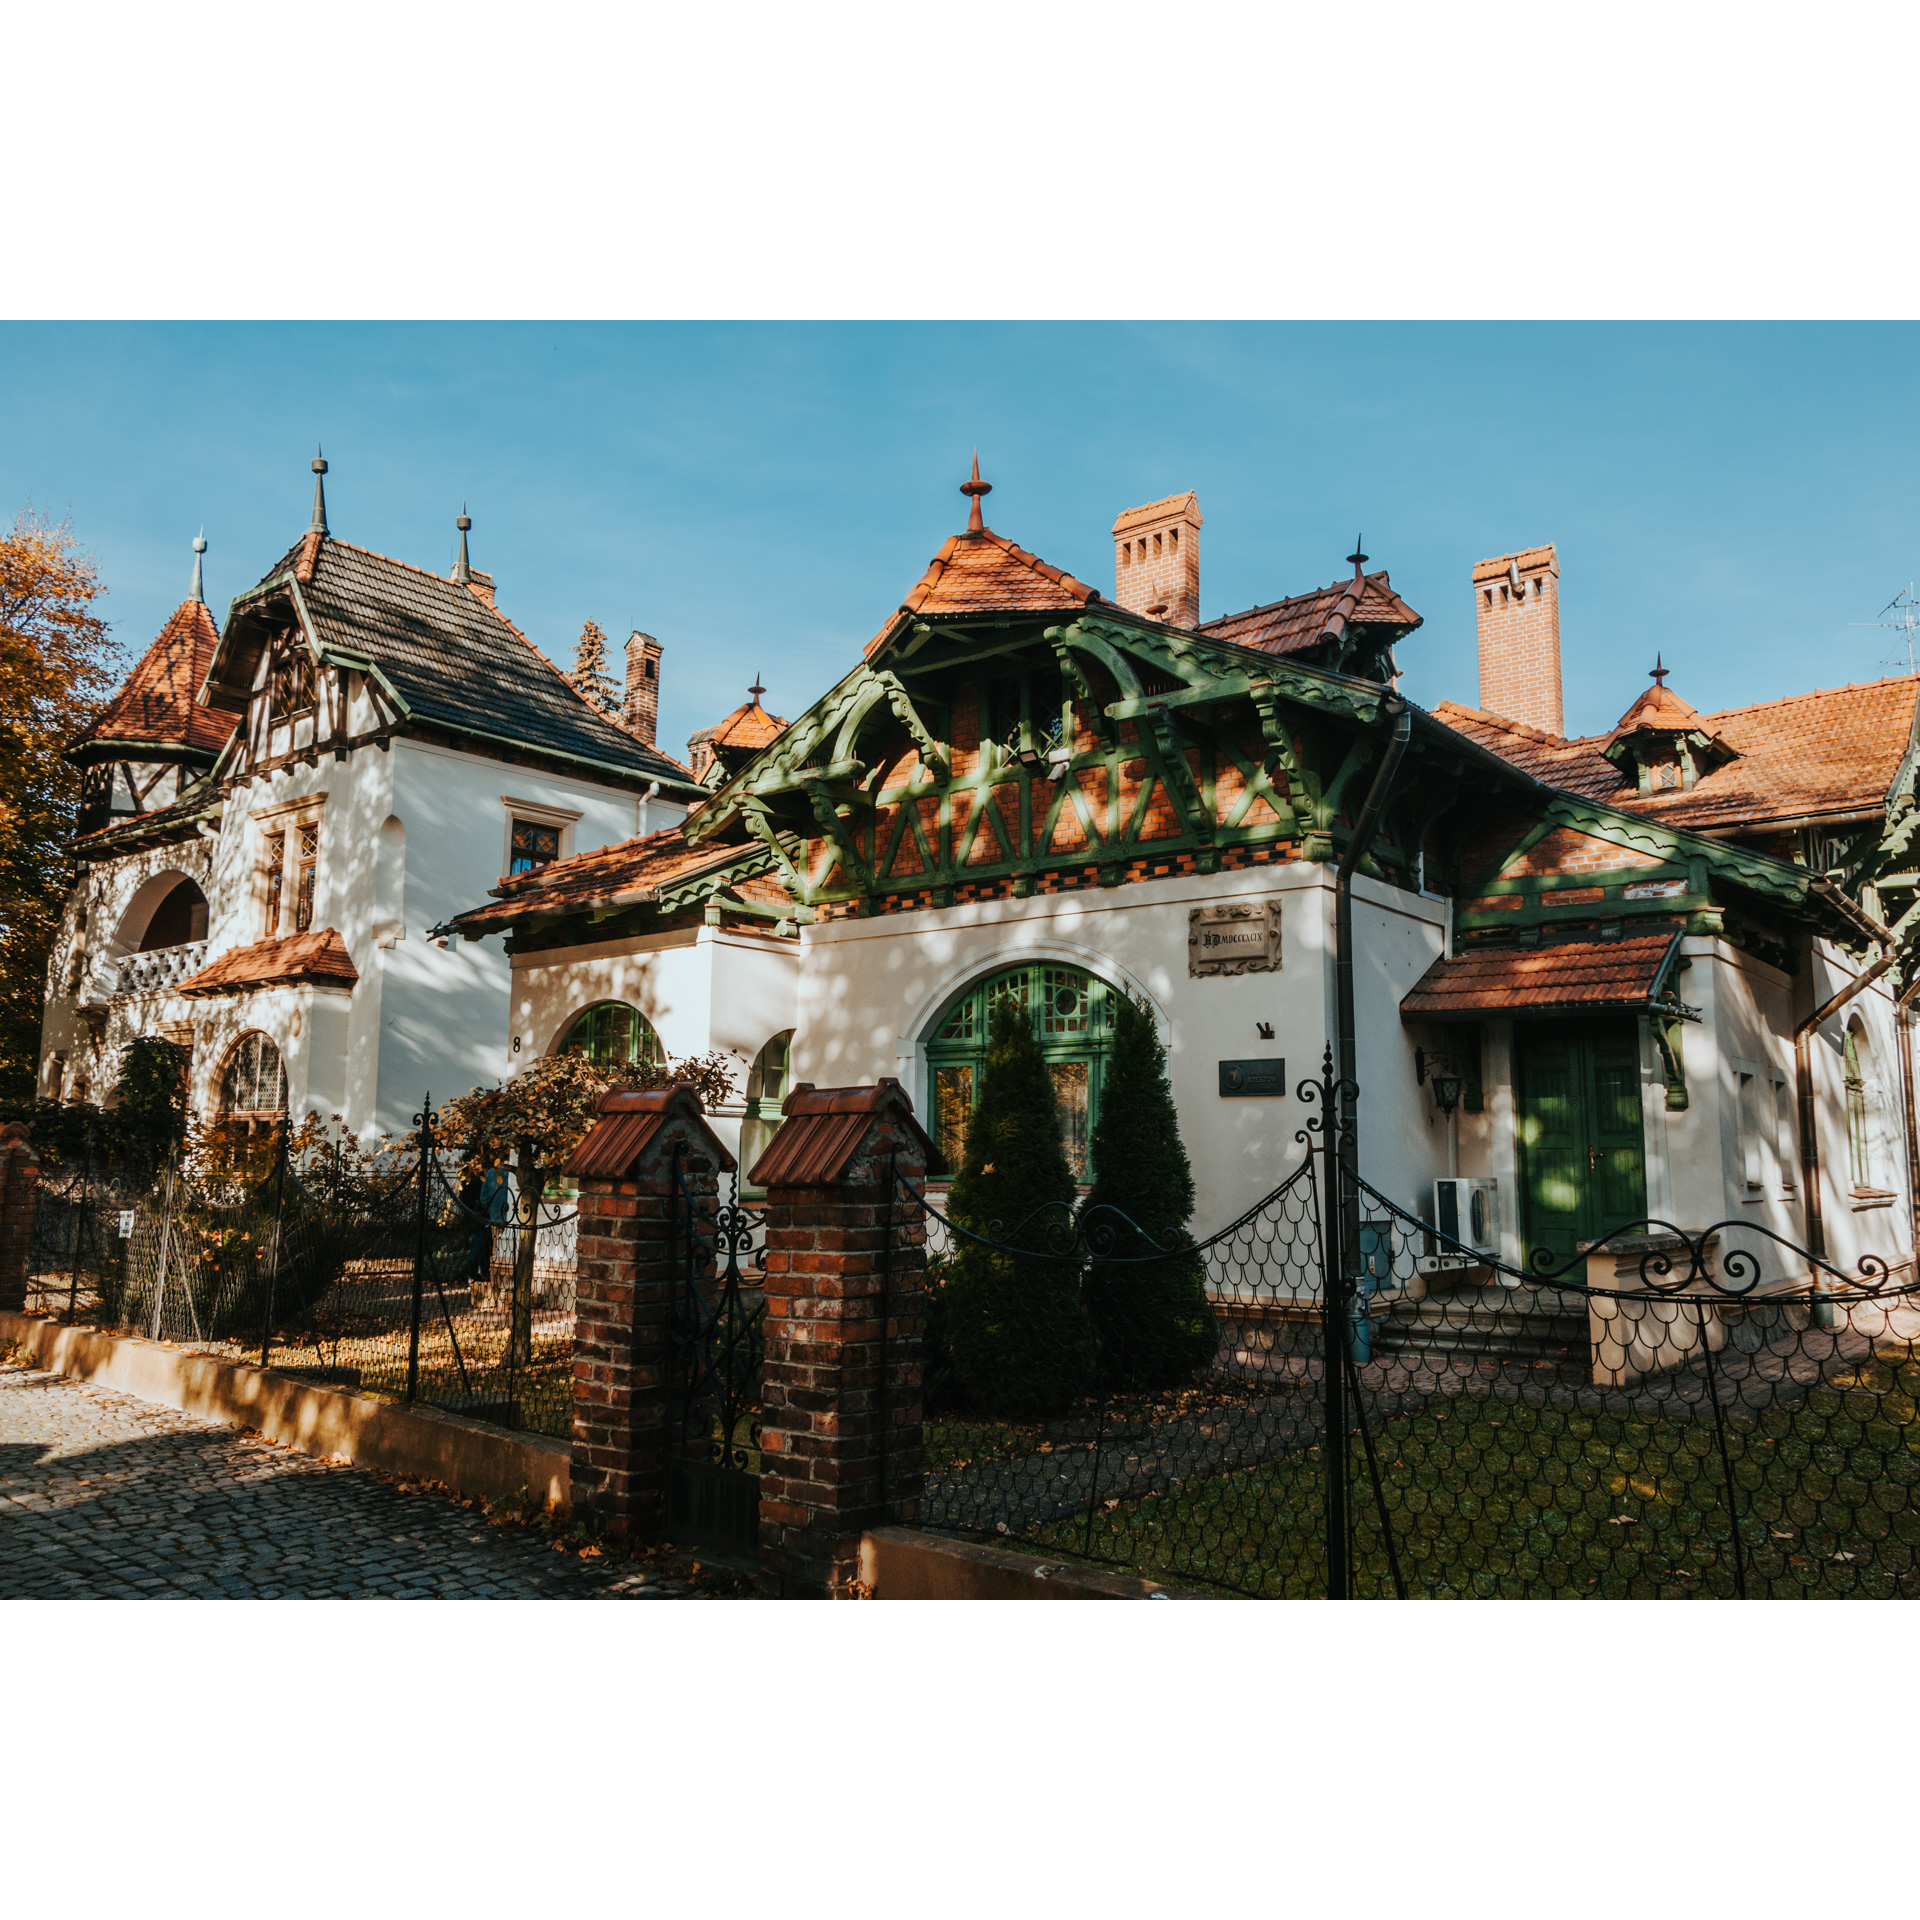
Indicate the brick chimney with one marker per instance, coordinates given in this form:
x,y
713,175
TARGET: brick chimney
x,y
1516,598
1156,560
642,707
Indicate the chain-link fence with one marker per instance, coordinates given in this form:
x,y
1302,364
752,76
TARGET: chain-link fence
x,y
1711,1413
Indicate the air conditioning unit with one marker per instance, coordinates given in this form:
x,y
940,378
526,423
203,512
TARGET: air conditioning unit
x,y
1467,1211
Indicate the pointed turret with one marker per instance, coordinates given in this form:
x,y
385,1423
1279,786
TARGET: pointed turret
x,y
319,523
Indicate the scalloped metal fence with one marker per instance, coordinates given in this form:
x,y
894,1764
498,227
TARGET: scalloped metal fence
x,y
1677,1413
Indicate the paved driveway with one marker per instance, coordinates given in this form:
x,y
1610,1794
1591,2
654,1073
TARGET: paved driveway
x,y
106,1496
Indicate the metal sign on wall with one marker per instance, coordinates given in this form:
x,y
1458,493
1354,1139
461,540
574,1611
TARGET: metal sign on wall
x,y
1241,937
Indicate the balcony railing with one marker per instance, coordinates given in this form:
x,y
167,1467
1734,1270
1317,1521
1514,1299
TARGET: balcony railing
x,y
164,967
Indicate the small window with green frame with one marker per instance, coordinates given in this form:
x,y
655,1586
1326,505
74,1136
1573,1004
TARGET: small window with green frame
x,y
1072,1015
613,1035
767,1082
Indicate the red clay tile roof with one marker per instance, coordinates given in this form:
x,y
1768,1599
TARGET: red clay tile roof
x,y
1577,977
1834,751
986,573
750,726
628,1121
823,1129
157,704
628,867
1286,626
320,956
1659,709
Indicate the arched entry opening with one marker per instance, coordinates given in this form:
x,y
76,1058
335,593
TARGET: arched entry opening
x,y
167,911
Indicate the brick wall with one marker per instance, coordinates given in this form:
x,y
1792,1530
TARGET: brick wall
x,y
840,1436
1156,560
1566,850
623,1294
642,706
1516,599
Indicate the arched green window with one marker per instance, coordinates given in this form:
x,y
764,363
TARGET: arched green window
x,y
766,1090
613,1035
1072,1014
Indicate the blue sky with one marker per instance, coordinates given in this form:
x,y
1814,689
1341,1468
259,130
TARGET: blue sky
x,y
761,496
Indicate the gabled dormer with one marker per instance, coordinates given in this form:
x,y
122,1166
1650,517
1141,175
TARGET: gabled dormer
x,y
1662,744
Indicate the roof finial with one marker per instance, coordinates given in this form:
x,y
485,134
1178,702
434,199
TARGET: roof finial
x,y
1357,559
1659,674
756,689
463,573
195,592
319,492
974,488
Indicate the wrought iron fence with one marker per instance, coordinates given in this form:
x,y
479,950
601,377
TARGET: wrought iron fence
x,y
385,1282
714,1352
1671,1414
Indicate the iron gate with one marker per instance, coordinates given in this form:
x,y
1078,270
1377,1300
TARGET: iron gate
x,y
1386,1411
714,1347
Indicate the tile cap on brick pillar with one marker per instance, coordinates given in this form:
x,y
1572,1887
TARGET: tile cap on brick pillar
x,y
824,1129
628,1123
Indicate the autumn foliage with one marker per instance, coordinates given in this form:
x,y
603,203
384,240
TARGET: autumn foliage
x,y
55,664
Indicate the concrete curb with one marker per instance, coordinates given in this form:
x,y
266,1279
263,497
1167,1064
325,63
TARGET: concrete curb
x,y
902,1563
474,1459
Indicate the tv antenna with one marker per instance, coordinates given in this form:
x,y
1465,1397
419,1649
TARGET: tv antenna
x,y
1905,608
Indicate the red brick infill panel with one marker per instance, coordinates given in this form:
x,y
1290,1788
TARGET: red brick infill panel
x,y
19,1199
631,1261
840,1444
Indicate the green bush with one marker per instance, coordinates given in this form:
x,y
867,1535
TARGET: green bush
x,y
1155,1326
1014,1328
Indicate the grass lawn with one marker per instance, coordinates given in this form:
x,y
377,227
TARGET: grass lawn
x,y
1492,1499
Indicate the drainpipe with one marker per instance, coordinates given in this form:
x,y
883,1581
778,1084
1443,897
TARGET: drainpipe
x,y
651,793
1343,886
1903,1026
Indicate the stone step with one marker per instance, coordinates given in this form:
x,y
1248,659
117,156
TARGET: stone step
x,y
1510,1330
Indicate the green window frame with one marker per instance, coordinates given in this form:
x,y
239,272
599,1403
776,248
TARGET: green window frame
x,y
767,1082
1072,1014
612,1035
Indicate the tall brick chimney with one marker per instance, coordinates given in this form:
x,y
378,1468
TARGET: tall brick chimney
x,y
1516,597
641,709
1156,560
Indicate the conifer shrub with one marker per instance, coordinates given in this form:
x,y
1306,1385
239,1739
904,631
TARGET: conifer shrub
x,y
1013,1328
1152,1319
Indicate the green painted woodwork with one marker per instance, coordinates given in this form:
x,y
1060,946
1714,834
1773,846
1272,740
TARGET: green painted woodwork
x,y
612,1035
1582,1152
1072,1016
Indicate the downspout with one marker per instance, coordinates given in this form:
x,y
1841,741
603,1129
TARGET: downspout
x,y
651,793
1903,1026
1343,889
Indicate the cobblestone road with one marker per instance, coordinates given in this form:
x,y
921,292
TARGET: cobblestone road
x,y
103,1496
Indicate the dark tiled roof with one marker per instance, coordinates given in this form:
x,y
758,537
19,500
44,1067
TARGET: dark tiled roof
x,y
1835,751
320,955
459,663
1286,626
986,573
571,886
1576,977
157,705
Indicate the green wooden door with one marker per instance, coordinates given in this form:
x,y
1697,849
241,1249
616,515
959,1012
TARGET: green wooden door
x,y
1582,1155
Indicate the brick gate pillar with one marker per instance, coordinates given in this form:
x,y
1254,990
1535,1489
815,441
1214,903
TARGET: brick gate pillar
x,y
19,1198
630,1261
840,1442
